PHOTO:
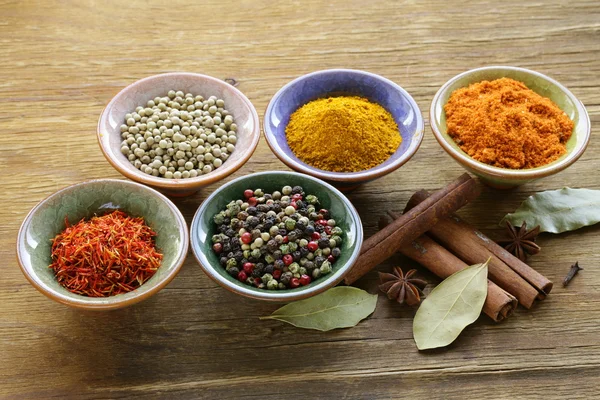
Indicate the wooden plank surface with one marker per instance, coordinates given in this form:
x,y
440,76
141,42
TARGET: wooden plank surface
x,y
61,62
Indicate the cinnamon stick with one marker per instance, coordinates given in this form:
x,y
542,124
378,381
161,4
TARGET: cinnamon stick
x,y
412,224
465,244
498,304
542,284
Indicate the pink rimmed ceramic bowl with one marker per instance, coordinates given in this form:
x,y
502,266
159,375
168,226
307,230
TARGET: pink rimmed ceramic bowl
x,y
140,92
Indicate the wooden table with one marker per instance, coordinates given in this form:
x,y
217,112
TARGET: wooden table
x,y
60,63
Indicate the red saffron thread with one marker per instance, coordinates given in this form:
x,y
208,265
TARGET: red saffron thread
x,y
105,256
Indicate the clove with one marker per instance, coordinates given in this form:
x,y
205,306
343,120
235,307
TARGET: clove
x,y
572,272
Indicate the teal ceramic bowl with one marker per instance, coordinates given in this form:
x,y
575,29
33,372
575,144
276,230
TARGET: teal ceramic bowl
x,y
341,210
83,200
504,178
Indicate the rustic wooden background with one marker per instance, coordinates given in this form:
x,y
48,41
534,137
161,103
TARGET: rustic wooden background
x,y
61,62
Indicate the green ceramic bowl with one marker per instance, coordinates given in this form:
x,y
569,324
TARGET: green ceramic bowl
x,y
341,210
539,83
82,200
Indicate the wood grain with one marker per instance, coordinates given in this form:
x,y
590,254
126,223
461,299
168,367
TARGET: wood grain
x,y
61,62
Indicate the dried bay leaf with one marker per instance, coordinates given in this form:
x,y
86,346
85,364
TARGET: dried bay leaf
x,y
558,211
450,307
339,307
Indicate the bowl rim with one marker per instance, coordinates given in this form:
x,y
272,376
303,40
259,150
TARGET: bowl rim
x,y
164,183
284,295
369,174
93,303
506,173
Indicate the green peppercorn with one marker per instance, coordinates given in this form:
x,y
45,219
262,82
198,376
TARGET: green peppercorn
x,y
294,268
285,249
325,267
292,247
231,263
290,224
266,278
302,271
269,258
255,253
336,231
272,284
316,273
287,190
311,199
303,242
337,240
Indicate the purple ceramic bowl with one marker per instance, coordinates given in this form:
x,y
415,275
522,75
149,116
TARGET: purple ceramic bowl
x,y
335,82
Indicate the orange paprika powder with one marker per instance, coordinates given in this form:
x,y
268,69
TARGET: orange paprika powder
x,y
505,124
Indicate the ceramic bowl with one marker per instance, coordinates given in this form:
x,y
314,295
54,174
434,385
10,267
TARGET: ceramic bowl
x,y
503,177
335,82
82,200
341,210
138,93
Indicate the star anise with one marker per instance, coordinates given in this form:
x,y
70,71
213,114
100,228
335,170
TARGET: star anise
x,y
521,241
402,287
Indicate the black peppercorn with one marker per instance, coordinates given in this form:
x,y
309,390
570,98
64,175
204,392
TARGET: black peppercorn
x,y
223,261
292,236
286,277
238,255
300,204
300,226
319,228
234,271
256,273
277,254
283,232
304,251
252,221
276,207
226,247
269,269
309,230
319,260
230,232
252,210
279,264
336,252
263,208
296,255
323,242
242,215
297,190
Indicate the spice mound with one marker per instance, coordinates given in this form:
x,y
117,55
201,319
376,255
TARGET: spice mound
x,y
342,134
280,240
179,136
105,256
505,124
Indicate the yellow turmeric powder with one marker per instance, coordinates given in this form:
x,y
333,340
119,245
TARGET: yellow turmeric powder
x,y
342,134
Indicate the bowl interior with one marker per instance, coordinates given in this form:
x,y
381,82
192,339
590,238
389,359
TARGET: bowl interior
x,y
534,81
337,83
83,201
341,210
140,92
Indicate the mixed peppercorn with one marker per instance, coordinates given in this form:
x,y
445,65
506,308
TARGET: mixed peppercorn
x,y
281,240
